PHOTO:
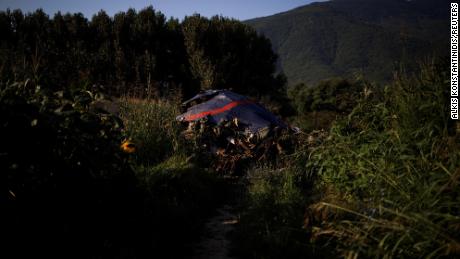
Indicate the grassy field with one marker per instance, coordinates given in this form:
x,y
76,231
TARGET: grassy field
x,y
382,182
74,189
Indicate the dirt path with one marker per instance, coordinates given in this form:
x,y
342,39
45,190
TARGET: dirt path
x,y
214,242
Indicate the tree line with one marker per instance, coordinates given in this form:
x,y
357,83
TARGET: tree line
x,y
139,52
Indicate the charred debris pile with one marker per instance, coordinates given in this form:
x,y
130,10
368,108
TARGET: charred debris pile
x,y
234,130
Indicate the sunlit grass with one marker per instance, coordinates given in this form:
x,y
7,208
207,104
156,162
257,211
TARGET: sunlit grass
x,y
151,126
383,184
395,161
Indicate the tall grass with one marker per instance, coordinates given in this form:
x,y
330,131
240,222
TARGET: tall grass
x,y
383,184
178,193
151,125
272,216
389,175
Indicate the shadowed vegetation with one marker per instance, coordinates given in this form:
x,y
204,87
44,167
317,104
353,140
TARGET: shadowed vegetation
x,y
137,53
380,180
383,184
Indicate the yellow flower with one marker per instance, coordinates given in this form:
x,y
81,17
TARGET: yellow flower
x,y
128,146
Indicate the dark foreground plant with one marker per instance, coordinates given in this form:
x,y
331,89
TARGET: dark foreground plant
x,y
388,176
71,191
384,183
67,186
179,192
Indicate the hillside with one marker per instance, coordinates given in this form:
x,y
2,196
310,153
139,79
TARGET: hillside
x,y
349,38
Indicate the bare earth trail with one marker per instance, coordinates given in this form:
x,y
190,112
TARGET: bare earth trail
x,y
214,242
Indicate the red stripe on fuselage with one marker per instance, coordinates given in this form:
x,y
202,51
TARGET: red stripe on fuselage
x,y
216,111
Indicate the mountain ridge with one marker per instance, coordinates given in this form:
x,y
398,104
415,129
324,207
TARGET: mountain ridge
x,y
350,38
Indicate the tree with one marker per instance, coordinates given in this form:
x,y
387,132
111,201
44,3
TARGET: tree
x,y
138,52
225,53
335,94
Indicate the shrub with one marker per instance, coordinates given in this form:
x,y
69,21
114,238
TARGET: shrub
x,y
179,193
272,216
388,175
71,191
334,94
318,106
179,198
67,185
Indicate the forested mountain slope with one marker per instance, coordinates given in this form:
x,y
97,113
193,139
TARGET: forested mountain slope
x,y
356,37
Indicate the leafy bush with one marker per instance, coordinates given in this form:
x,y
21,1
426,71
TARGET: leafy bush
x,y
383,184
67,185
388,175
333,94
317,107
272,216
70,188
179,193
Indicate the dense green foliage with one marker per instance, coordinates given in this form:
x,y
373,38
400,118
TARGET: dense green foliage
x,y
151,125
356,37
383,184
394,165
319,106
227,53
180,191
271,216
136,53
124,52
70,191
67,182
334,94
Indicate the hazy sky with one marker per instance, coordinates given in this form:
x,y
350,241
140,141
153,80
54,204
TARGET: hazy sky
x,y
240,9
